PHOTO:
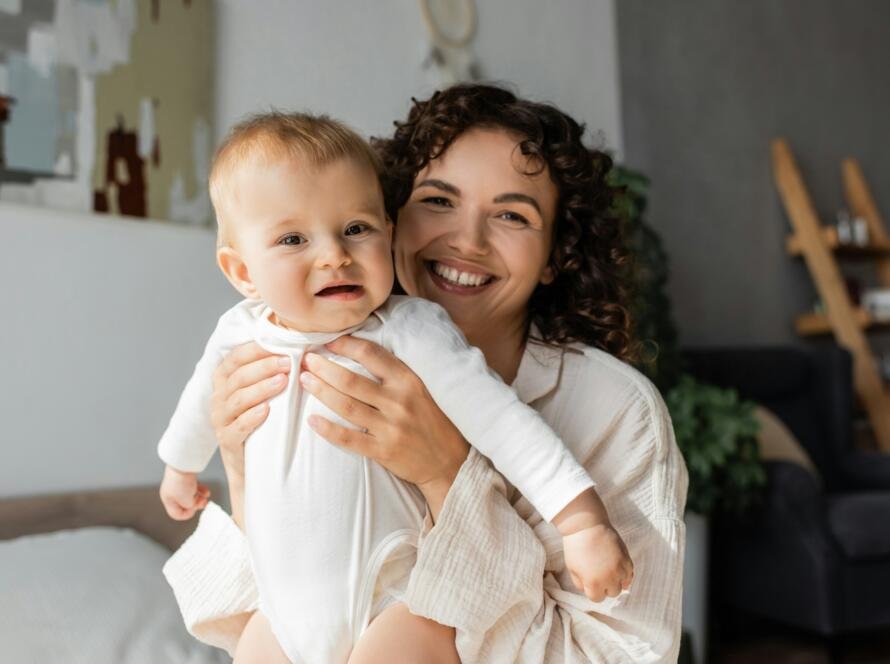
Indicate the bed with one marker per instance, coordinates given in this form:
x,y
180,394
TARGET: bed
x,y
81,580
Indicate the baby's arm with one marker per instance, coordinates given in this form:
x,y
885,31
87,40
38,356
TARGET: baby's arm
x,y
182,495
517,440
189,440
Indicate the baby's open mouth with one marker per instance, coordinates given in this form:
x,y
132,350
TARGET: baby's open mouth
x,y
341,292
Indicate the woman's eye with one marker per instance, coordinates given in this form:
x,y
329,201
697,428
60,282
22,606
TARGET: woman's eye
x,y
356,229
437,200
514,217
292,240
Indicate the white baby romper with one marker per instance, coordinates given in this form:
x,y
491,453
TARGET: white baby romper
x,y
320,520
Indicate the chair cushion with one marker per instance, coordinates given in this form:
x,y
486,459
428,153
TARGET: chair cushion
x,y
859,521
777,443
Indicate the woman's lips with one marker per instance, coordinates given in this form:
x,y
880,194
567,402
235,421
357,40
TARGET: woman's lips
x,y
456,288
344,292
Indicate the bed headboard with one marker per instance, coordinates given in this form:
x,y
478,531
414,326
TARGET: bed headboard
x,y
138,508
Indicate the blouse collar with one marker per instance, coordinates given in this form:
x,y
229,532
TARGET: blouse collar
x,y
539,368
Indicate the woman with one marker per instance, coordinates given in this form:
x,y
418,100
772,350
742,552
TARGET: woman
x,y
503,218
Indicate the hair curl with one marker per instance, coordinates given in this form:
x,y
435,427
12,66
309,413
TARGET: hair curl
x,y
587,300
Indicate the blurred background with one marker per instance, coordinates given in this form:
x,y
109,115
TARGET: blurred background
x,y
753,144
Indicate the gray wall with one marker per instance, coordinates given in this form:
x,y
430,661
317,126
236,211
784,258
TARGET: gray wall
x,y
103,321
362,61
705,85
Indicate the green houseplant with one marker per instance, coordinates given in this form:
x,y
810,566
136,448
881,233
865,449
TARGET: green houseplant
x,y
715,430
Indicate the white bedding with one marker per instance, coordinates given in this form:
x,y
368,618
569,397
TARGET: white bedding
x,y
93,595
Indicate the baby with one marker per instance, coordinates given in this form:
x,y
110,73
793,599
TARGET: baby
x,y
304,236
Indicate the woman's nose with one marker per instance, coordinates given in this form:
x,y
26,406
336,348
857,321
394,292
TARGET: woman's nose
x,y
470,237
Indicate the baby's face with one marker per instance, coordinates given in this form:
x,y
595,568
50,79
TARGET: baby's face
x,y
315,241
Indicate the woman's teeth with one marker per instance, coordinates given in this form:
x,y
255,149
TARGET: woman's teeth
x,y
460,278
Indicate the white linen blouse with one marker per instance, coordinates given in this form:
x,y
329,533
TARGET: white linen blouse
x,y
491,566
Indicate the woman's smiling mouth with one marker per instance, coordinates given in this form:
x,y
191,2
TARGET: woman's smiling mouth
x,y
455,280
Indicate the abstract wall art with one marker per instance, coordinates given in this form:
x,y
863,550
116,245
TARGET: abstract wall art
x,y
105,106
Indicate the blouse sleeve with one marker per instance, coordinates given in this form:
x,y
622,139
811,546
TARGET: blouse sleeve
x,y
486,571
213,581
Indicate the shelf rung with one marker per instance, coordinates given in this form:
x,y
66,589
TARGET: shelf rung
x,y
829,235
813,324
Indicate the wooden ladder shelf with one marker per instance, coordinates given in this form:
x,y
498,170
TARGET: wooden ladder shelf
x,y
817,244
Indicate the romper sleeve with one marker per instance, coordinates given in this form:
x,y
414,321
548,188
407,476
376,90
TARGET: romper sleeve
x,y
501,583
189,441
486,411
213,581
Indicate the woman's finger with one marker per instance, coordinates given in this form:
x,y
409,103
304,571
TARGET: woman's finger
x,y
353,440
352,410
241,355
577,581
594,593
252,373
251,396
344,380
249,420
379,362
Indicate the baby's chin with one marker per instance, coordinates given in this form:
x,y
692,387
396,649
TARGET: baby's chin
x,y
332,316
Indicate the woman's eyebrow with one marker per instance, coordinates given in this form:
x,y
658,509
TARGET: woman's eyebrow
x,y
516,197
439,184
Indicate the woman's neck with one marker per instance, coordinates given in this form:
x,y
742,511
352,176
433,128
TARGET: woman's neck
x,y
502,346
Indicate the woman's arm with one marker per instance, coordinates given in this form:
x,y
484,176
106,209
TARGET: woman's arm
x,y
481,568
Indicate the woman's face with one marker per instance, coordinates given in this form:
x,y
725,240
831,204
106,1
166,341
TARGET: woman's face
x,y
475,235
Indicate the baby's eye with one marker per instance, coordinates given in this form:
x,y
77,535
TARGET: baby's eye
x,y
437,200
292,240
356,229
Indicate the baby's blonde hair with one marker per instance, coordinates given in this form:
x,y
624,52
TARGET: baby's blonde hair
x,y
268,137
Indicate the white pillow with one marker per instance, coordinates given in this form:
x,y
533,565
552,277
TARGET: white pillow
x,y
92,595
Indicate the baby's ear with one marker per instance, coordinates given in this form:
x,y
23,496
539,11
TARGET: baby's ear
x,y
235,269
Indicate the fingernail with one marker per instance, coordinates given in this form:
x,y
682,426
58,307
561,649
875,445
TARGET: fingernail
x,y
310,359
307,378
279,379
283,361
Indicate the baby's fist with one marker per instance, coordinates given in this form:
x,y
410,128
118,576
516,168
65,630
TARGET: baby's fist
x,y
181,494
598,562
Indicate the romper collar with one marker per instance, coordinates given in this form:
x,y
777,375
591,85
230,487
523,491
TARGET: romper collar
x,y
272,337
539,368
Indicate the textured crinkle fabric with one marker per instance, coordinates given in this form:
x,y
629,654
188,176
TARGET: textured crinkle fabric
x,y
491,566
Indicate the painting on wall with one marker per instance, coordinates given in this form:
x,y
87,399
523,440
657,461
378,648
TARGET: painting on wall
x,y
105,106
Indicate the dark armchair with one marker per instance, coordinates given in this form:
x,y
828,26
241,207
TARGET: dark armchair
x,y
817,553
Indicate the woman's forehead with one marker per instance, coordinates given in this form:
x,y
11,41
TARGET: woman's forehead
x,y
490,160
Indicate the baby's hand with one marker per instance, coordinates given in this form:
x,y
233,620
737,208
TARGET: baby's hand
x,y
181,494
598,562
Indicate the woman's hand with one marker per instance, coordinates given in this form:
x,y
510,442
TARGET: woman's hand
x,y
242,384
402,427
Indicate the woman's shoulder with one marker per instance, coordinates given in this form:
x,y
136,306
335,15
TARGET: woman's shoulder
x,y
597,372
609,398
624,429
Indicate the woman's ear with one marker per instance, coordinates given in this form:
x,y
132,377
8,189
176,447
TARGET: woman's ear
x,y
235,269
548,275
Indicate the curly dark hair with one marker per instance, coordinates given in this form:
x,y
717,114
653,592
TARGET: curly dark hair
x,y
587,300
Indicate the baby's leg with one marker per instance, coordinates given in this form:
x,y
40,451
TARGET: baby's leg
x,y
397,636
258,644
